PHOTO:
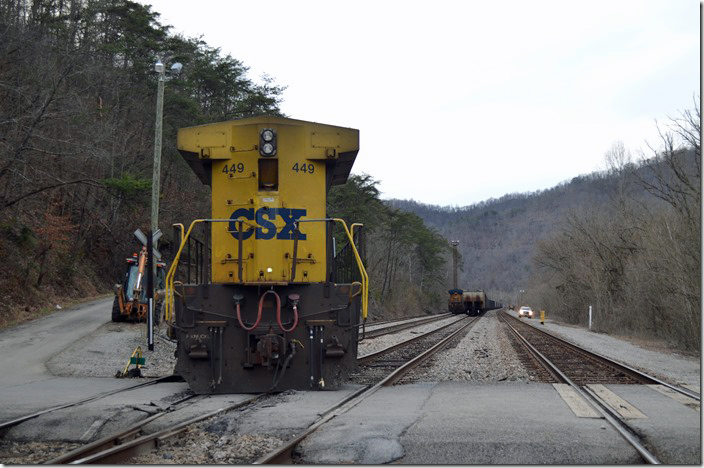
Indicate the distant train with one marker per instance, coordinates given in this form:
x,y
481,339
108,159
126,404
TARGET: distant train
x,y
282,306
469,302
455,304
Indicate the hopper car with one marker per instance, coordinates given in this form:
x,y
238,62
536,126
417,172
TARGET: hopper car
x,y
469,302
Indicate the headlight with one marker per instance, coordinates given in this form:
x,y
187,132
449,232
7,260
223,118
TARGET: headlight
x,y
267,134
267,149
267,142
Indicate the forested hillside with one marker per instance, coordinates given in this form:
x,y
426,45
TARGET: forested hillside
x,y
406,260
77,124
497,237
626,241
77,116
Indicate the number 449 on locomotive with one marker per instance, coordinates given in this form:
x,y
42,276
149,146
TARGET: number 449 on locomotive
x,y
274,312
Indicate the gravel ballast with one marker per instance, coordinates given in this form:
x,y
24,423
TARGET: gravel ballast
x,y
484,355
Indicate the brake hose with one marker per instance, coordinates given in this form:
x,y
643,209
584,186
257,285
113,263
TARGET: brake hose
x,y
259,317
278,313
295,318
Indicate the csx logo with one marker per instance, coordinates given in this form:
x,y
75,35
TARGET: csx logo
x,y
264,217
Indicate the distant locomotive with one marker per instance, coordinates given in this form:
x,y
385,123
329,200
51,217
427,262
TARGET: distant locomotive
x,y
276,313
455,304
469,302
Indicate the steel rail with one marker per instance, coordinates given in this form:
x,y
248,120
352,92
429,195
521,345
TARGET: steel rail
x,y
635,373
608,414
400,327
112,440
283,454
376,354
121,450
533,352
22,419
384,322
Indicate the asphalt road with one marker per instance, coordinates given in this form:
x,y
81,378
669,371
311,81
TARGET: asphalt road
x,y
26,386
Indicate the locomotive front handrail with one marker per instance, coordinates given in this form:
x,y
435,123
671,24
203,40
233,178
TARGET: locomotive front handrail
x,y
169,280
169,293
360,265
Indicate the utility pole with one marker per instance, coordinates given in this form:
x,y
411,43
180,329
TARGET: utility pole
x,y
156,175
454,244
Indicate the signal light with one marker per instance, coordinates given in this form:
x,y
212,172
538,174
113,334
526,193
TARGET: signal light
x,y
267,142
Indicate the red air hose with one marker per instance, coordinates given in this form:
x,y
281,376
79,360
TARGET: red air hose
x,y
278,313
295,318
259,317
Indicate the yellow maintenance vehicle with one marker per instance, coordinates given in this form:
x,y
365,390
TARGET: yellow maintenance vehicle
x,y
131,303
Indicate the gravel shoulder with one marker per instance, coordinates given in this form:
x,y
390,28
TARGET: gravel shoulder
x,y
650,357
108,350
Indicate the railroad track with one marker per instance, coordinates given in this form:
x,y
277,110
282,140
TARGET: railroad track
x,y
580,369
580,365
398,326
8,424
374,366
134,441
376,323
138,439
377,354
400,366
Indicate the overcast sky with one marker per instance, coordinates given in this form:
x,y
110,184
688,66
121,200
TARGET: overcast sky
x,y
461,101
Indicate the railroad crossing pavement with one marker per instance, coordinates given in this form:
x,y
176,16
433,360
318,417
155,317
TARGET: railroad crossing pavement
x,y
510,423
420,424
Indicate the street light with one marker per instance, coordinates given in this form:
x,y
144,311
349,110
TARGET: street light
x,y
156,175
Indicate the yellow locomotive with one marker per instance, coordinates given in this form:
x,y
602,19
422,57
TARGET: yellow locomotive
x,y
454,303
274,314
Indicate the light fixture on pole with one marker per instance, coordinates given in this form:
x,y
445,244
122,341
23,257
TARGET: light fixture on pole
x,y
156,175
154,233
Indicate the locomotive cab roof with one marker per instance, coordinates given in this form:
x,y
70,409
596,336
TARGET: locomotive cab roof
x,y
201,144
